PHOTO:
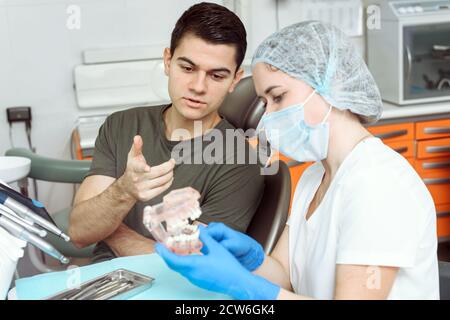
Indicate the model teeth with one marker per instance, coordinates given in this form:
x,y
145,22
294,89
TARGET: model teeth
x,y
190,228
170,241
196,213
181,238
169,222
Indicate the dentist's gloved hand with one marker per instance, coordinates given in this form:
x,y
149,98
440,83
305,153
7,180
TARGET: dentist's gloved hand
x,y
247,250
218,270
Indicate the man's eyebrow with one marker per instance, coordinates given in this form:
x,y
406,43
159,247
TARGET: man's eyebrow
x,y
186,60
226,70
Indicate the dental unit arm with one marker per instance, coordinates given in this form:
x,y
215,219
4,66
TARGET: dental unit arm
x,y
19,225
170,221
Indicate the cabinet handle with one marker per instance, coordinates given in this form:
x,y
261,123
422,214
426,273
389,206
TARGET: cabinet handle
x,y
401,150
294,163
391,134
436,149
435,165
409,60
436,181
437,130
443,213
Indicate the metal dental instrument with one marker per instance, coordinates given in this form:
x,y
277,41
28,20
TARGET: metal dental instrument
x,y
23,223
19,232
95,289
121,288
28,214
89,290
106,288
117,284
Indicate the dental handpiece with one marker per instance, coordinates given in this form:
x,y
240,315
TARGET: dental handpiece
x,y
19,232
29,225
27,214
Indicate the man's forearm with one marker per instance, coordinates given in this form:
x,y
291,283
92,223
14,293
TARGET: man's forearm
x,y
95,219
127,242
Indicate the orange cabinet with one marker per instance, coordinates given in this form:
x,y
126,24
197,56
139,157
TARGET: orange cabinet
x,y
405,148
432,165
433,129
393,132
412,162
296,173
426,145
436,177
433,148
439,187
76,150
296,169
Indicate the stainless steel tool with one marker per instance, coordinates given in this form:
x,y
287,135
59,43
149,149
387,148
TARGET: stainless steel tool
x,y
120,284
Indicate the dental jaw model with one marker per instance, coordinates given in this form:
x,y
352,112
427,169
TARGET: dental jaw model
x,y
169,221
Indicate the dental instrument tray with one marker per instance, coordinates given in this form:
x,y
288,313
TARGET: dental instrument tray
x,y
119,284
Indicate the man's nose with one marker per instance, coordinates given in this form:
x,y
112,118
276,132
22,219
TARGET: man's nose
x,y
198,83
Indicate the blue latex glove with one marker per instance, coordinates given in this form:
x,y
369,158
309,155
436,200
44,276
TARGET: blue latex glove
x,y
247,250
218,270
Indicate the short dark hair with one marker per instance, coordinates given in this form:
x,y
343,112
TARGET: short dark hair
x,y
213,23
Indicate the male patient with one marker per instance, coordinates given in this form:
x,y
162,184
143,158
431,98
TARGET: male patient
x,y
132,165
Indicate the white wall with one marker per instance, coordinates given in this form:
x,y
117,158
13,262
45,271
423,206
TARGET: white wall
x,y
38,53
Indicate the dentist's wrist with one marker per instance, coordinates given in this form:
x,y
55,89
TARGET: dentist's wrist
x,y
253,260
254,287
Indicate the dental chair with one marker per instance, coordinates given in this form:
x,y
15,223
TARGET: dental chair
x,y
444,280
62,171
241,108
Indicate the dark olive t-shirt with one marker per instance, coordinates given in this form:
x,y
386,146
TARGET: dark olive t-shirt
x,y
230,192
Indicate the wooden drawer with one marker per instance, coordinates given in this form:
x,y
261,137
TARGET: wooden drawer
x,y
443,220
433,165
393,132
433,129
405,148
433,148
439,186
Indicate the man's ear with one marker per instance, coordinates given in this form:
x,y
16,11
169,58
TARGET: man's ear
x,y
167,57
237,77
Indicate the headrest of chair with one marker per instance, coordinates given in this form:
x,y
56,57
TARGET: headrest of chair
x,y
242,108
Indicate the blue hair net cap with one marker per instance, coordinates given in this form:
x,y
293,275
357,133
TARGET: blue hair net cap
x,y
324,58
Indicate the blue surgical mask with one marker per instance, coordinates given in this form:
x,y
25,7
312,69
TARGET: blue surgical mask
x,y
287,131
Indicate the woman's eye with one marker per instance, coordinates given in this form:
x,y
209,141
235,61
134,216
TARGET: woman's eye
x,y
278,99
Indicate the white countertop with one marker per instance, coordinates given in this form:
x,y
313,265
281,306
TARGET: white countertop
x,y
393,111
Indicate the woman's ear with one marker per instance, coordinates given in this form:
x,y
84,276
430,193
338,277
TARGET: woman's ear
x,y
237,77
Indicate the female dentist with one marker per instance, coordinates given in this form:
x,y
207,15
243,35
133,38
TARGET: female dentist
x,y
363,224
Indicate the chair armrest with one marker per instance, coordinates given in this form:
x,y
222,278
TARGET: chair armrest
x,y
55,170
68,249
444,280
